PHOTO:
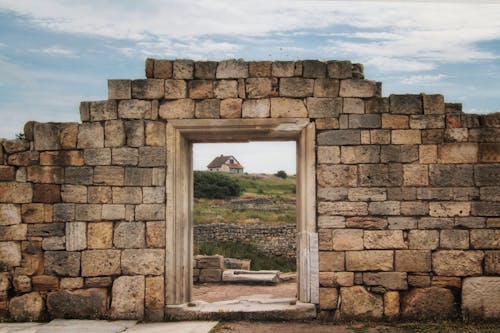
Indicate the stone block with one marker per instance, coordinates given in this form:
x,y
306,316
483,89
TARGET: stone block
x,y
405,137
432,136
413,261
339,138
15,146
208,108
134,109
113,212
380,175
134,133
46,230
260,88
46,193
433,104
395,121
138,176
226,89
155,134
46,136
98,282
339,69
435,223
428,304
114,131
331,261
54,243
458,153
388,280
326,88
143,262
129,235
326,123
470,222
205,69
74,193
99,194
485,239
36,213
152,156
68,135
256,108
347,239
201,89
457,263
127,195
372,260
283,68
15,232
456,135
357,88
210,275
10,214
419,281
355,105
358,303
44,283
100,235
100,156
328,298
155,234
364,121
64,212
128,298
331,222
391,304
177,109
492,263
325,240
175,89
405,223
259,68
324,107
440,175
449,209
377,105
415,175
366,223
124,156
343,208
100,263
399,153
337,175
288,108
487,175
154,298
384,239
360,154
90,135
62,263
480,297
22,283
148,89
296,87
76,236
103,110
314,69
109,175
28,307
10,255
489,152
427,154
150,212
232,69
45,174
426,121
406,104
328,154
78,304
119,89
7,173
71,283
88,212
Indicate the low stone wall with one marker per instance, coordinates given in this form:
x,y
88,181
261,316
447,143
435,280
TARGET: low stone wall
x,y
274,240
210,268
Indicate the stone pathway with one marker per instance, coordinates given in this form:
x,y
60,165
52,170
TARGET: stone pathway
x,y
102,326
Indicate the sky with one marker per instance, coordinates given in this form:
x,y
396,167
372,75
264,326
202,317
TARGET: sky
x,y
56,53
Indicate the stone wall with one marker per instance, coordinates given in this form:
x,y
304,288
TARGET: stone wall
x,y
407,194
273,240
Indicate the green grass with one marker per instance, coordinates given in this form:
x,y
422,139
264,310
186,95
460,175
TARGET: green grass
x,y
259,259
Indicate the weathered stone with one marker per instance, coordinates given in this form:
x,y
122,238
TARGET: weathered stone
x,y
119,89
339,69
447,282
45,174
283,68
486,175
28,307
347,239
210,275
366,223
435,223
260,88
326,88
230,108
449,209
328,154
373,260
177,109
205,69
103,110
232,69
413,261
127,195
314,69
7,173
440,175
100,262
433,104
10,214
380,175
150,212
357,88
454,239
343,208
331,261
457,263
331,222
328,298
152,156
296,87
90,135
364,121
339,138
98,282
288,108
426,121
45,283
394,121
360,304
492,262
134,109
388,280
46,193
356,105
54,243
399,153
324,107
155,134
78,304
406,137
485,239
480,297
74,193
68,135
419,281
153,195
148,89
155,234
360,154
406,104
125,156
489,152
22,284
100,235
143,261
428,304
405,223
13,232
384,239
367,194
109,175
325,240
415,175
154,297
46,136
114,133
88,212
128,298
10,255
46,230
207,108
62,263
129,235
391,304
256,108
134,133
14,146
113,212
71,283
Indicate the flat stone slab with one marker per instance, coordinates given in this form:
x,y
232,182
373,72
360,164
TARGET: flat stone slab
x,y
19,327
178,327
242,276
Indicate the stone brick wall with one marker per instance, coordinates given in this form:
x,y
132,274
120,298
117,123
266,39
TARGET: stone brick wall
x,y
407,190
273,240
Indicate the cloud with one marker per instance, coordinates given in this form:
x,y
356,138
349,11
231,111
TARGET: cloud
x,y
57,51
392,64
422,79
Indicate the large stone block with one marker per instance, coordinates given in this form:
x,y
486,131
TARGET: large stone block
x,y
288,108
103,110
480,298
68,135
485,239
88,212
232,69
207,109
100,262
62,263
78,304
440,175
406,104
413,261
46,230
10,255
134,109
373,260
347,239
426,121
331,261
433,104
449,209
119,89
155,234
458,153
358,303
129,235
128,298
7,172
201,89
339,69
16,145
15,232
357,88
109,175
428,304
260,88
134,133
487,174
380,175
28,307
326,88
90,135
125,156
328,298
205,69
388,280
46,136
76,236
210,275
394,121
154,298
366,223
114,131
127,195
100,235
150,212
343,208
177,109
457,263
415,175
399,153
231,108
148,89
337,175
454,239
74,193
296,87
46,193
324,107
143,262
384,239
492,262
283,68
10,214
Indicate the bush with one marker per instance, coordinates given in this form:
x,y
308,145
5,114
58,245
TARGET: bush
x,y
215,185
281,174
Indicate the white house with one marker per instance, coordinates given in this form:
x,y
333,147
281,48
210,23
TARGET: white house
x,y
227,164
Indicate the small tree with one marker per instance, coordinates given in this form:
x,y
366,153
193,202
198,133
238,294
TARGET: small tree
x,y
281,174
214,185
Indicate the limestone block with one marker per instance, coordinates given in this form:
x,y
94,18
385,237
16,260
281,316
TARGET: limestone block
x,y
296,87
46,193
260,87
119,89
485,239
402,223
155,234
433,104
28,307
114,133
366,223
127,301
347,239
155,294
339,138
487,174
138,176
288,108
314,69
7,173
143,261
232,69
134,109
150,212
207,109
419,281
54,243
458,153
109,175
328,154
395,121
367,194
74,193
399,153
10,214
90,135
325,240
162,69
259,68
68,135
391,304
355,105
127,195
457,263
155,134
22,283
432,136
100,235
413,261
470,222
377,105
129,235
357,88
153,195
14,232
358,303
100,156
201,89
88,212
492,262
113,212
152,156
449,209
283,68
205,69
100,262
256,108
62,263
360,154
337,175
339,69
388,280
14,146
406,104
45,283
372,260
336,279
490,193
71,283
426,121
76,236
226,89
364,121
343,208
326,88
46,136
454,239
324,107
489,152
177,109
328,298
406,137
78,304
380,175
183,69
331,261
125,156
10,255
210,275
428,304
99,194
98,282
423,239
331,222
384,239
175,89
45,174
46,230
134,133
440,175
103,110
148,89
480,298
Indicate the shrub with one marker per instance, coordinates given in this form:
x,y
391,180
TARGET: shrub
x,y
215,185
281,174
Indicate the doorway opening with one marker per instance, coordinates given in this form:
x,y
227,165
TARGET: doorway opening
x,y
181,135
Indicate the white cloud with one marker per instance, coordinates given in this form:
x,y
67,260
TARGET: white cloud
x,y
57,51
391,64
422,79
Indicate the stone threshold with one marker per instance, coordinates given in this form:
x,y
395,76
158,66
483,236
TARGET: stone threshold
x,y
256,307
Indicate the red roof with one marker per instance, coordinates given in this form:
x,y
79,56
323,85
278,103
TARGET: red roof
x,y
235,166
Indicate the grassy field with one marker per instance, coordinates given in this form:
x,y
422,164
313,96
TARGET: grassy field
x,y
280,191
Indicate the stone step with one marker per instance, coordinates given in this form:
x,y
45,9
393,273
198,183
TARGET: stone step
x,y
243,276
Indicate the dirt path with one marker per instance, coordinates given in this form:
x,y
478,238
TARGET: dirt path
x,y
224,292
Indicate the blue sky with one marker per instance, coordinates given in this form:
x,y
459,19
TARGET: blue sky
x,y
56,53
